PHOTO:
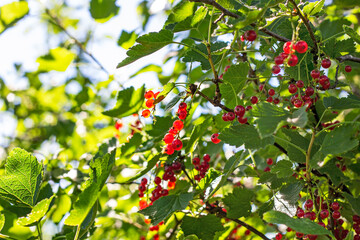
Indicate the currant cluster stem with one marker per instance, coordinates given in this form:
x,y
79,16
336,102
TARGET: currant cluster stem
x,y
308,155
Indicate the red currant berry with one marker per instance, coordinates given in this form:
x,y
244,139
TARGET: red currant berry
x,y
269,161
298,103
164,192
247,232
348,68
326,85
177,144
250,35
309,91
289,48
356,218
230,116
182,105
118,124
196,161
261,87
299,235
323,80
292,88
335,206
178,125
145,113
336,214
224,117
215,139
149,103
157,180
168,138
142,188
144,181
275,69
315,74
271,92
300,84
269,99
301,46
322,224
293,60
141,194
242,120
254,99
173,131
267,169
324,213
326,63
278,236
300,213
182,113
248,108
239,110
176,166
206,158
149,95
279,60
169,149
284,55
276,101
357,237
309,204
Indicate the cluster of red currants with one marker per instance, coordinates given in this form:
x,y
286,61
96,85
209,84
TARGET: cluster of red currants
x,y
233,235
150,97
249,35
269,162
288,57
239,112
172,137
202,167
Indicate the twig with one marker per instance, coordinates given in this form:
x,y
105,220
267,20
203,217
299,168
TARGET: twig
x,y
217,97
308,155
226,12
348,57
216,104
174,228
219,18
56,21
336,76
280,148
188,176
307,25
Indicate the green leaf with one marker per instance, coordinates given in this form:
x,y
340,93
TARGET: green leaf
x,y
251,17
161,127
299,225
283,169
129,148
165,206
268,177
294,137
209,178
148,43
166,90
341,103
127,39
11,13
234,81
103,10
101,167
2,221
334,173
299,118
290,192
331,27
352,33
37,213
240,134
180,12
354,202
129,101
313,8
63,206
174,101
197,132
148,68
150,164
203,227
58,59
334,48
23,175
238,203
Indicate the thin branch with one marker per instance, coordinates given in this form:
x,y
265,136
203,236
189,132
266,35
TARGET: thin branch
x,y
188,176
217,97
219,18
308,155
226,12
348,57
215,103
56,21
283,150
174,228
307,25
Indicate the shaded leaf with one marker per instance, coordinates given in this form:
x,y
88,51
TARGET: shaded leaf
x,y
103,10
341,103
238,203
352,33
282,169
127,39
354,202
165,206
333,172
203,227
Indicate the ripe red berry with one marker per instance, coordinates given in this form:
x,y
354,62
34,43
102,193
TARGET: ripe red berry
x,y
144,181
206,158
357,237
323,80
149,103
215,139
299,235
247,232
267,169
335,206
276,101
177,144
298,103
300,84
248,108
157,180
242,120
269,161
348,68
326,63
309,204
269,99
261,87
356,218
182,113
169,149
173,131
196,161
336,214
149,95
300,213
182,105
278,236
324,213
142,188
292,88
289,48
301,46
279,60
176,166
315,74
309,91
271,92
230,116
250,35
145,113
168,138
275,69
224,117
239,110
254,99
118,124
293,60
178,125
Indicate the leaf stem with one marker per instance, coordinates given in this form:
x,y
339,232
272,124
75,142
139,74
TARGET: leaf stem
x,y
77,232
308,154
186,45
38,228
